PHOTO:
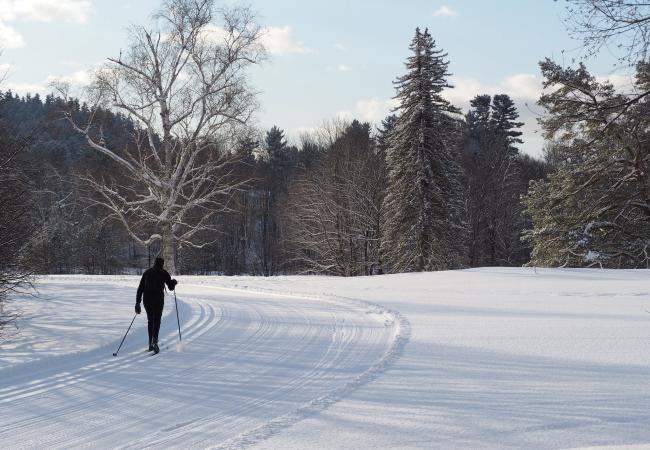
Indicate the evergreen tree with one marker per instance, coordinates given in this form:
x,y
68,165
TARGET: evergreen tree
x,y
493,182
504,120
595,208
245,150
280,159
423,210
276,149
383,134
309,154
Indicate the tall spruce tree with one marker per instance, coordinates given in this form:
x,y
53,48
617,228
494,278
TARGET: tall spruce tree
x,y
423,226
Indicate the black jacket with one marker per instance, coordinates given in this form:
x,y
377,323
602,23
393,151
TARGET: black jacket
x,y
152,285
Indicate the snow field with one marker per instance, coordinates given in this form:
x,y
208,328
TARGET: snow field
x,y
497,358
485,358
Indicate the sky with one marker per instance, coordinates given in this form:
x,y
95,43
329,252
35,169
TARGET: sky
x,y
327,59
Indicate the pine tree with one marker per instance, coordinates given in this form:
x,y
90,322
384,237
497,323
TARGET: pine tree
x,y
594,210
504,120
276,148
423,225
493,182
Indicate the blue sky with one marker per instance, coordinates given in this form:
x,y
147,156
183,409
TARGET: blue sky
x,y
327,59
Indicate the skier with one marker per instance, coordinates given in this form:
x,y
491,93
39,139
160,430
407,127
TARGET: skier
x,y
152,285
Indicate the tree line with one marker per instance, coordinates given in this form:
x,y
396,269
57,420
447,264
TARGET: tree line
x,y
314,207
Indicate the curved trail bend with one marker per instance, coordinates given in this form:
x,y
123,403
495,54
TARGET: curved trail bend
x,y
251,365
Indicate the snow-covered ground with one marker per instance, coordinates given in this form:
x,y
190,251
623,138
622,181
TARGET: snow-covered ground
x,y
487,358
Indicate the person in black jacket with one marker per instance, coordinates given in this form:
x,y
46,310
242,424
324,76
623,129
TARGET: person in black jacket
x,y
152,289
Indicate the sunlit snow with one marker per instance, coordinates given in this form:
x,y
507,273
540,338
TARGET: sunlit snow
x,y
486,358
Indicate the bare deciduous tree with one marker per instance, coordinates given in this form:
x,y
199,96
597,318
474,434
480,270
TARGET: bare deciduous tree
x,y
15,230
183,83
622,26
334,210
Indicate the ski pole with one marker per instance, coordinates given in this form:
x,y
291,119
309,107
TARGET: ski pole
x,y
127,332
180,338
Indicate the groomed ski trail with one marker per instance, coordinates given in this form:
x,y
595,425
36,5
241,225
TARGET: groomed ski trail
x,y
251,364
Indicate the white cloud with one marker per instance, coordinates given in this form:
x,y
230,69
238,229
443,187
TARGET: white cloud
x,y
45,10
10,38
26,88
622,83
522,87
444,11
281,41
213,33
276,40
465,89
37,11
340,47
374,110
80,78
370,110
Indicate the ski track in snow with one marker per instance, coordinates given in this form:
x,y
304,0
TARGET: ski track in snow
x,y
252,364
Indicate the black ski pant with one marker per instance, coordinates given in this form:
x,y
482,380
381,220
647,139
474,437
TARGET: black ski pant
x,y
154,310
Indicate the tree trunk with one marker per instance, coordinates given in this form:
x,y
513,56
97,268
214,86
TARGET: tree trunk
x,y
169,248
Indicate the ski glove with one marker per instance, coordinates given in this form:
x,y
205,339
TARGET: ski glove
x,y
174,283
138,310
